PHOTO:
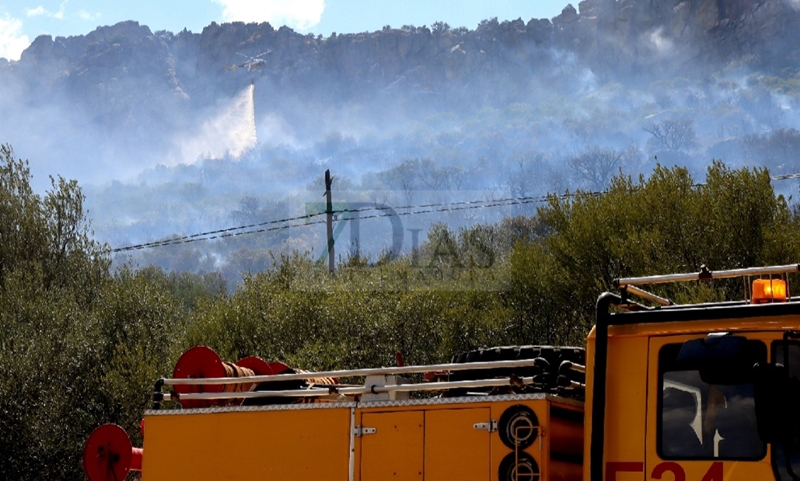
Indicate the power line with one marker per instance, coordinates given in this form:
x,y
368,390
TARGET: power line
x,y
190,239
785,176
229,232
431,208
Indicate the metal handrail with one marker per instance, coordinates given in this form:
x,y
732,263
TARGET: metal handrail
x,y
380,371
706,274
333,389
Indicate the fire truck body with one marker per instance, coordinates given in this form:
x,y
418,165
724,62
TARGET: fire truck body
x,y
433,439
703,392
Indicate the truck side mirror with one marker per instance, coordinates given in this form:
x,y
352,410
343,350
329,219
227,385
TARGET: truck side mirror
x,y
775,394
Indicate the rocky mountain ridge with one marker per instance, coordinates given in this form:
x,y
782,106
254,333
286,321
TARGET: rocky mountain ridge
x,y
115,65
123,93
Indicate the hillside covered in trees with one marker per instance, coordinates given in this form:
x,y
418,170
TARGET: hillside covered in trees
x,y
168,139
82,344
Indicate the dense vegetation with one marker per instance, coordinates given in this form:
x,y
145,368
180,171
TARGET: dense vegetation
x,y
81,344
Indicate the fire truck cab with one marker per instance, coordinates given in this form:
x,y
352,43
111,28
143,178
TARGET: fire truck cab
x,y
701,392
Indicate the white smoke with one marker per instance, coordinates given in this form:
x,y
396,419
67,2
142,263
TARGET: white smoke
x,y
275,131
229,132
663,45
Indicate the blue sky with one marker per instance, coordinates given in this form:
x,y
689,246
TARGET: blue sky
x,y
21,21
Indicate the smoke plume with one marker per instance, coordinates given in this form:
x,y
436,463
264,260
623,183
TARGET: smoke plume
x,y
230,132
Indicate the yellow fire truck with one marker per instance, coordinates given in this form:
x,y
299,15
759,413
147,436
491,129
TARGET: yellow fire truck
x,y
692,392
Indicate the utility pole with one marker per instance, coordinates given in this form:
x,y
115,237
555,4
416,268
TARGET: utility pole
x,y
329,211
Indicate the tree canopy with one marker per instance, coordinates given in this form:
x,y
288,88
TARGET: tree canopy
x,y
664,223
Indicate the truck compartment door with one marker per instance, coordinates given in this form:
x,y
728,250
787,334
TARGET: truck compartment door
x,y
394,450
457,444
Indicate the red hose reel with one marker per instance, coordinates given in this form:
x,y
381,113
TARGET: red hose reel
x,y
109,455
202,362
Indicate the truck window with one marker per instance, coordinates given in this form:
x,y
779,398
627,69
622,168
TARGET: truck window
x,y
779,450
699,420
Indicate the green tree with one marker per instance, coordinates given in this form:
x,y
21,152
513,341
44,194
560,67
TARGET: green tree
x,y
78,345
662,224
50,233
51,273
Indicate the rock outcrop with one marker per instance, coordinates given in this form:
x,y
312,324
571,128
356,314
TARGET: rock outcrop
x,y
126,73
